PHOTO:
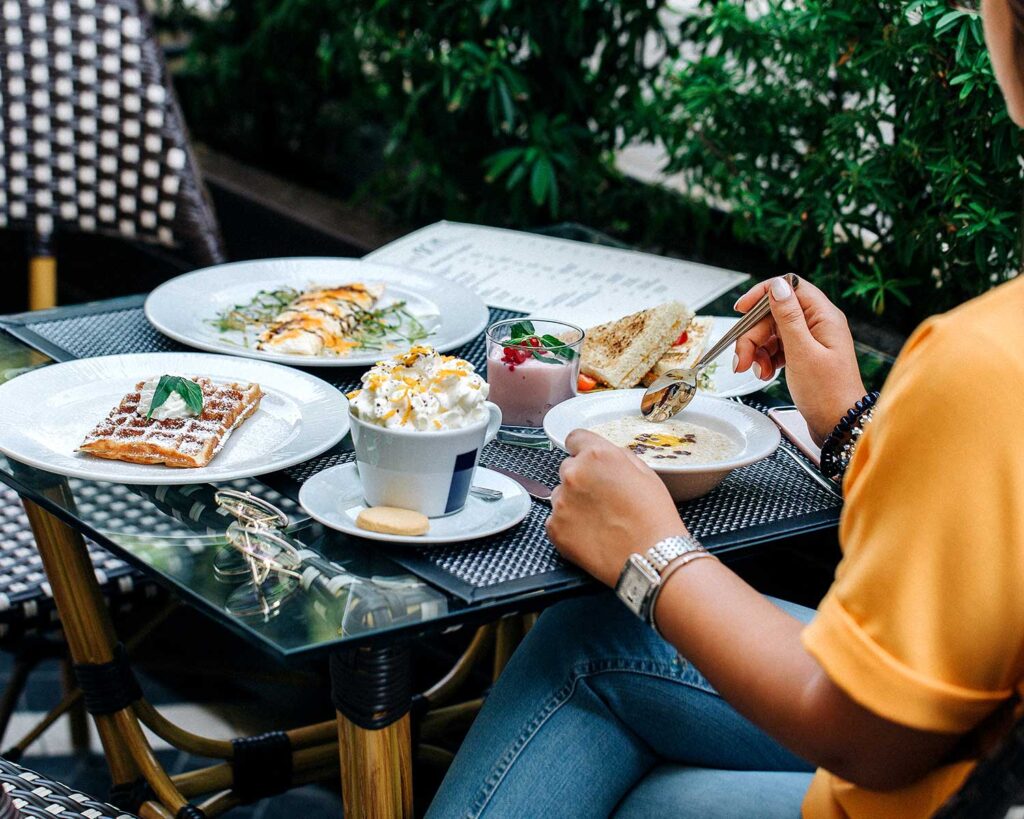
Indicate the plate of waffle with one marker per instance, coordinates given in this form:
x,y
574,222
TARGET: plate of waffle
x,y
168,418
320,312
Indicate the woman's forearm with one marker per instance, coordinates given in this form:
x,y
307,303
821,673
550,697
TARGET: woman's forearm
x,y
750,650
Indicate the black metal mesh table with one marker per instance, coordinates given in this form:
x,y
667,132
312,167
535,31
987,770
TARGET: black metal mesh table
x,y
765,501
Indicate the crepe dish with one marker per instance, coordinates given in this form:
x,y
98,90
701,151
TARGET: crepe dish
x,y
322,321
135,431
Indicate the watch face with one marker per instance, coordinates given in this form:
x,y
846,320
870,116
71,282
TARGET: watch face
x,y
635,585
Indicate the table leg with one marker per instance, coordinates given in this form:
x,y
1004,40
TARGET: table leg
x,y
91,641
372,692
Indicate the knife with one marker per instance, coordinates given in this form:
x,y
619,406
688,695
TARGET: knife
x,y
535,489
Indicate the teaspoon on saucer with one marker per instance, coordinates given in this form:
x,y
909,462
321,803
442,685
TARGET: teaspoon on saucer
x,y
671,393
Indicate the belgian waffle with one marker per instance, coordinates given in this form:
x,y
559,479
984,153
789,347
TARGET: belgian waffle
x,y
125,435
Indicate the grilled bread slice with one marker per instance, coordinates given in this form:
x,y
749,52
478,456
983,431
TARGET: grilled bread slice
x,y
621,352
685,355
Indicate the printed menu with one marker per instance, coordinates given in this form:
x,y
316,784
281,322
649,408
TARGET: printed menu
x,y
579,282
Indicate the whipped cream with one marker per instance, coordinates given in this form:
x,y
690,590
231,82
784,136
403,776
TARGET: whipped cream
x,y
173,407
421,390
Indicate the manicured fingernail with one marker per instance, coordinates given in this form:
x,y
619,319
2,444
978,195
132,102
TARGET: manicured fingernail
x,y
756,369
781,289
736,306
735,363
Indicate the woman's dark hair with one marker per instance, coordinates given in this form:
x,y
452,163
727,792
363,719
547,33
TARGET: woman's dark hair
x,y
1017,9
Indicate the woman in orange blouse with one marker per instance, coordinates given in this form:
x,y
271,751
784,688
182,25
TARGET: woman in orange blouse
x,y
912,666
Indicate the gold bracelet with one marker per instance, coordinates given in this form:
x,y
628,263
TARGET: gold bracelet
x,y
670,570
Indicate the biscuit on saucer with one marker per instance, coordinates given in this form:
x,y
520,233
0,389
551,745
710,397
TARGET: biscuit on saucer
x,y
390,520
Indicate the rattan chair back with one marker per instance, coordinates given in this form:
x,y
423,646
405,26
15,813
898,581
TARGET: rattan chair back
x,y
91,135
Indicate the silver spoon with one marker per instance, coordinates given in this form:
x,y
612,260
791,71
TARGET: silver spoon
x,y
671,393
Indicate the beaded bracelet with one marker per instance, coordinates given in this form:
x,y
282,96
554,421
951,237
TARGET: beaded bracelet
x,y
841,442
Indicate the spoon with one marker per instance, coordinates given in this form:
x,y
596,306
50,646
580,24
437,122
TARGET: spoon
x,y
671,393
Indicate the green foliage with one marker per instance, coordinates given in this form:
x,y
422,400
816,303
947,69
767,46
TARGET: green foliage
x,y
499,111
865,142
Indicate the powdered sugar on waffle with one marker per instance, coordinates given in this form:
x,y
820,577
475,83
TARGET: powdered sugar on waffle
x,y
188,442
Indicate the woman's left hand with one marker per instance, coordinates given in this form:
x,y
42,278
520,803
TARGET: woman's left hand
x,y
609,505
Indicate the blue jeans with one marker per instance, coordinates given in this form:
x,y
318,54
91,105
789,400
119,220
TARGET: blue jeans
x,y
597,716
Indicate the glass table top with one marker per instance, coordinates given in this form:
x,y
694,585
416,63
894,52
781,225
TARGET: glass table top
x,y
308,589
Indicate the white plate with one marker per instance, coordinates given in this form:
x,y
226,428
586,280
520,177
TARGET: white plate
x,y
45,414
727,383
755,434
185,307
335,497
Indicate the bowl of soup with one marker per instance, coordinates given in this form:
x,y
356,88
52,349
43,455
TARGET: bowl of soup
x,y
692,452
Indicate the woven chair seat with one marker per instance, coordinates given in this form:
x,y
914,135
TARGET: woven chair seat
x,y
35,795
26,604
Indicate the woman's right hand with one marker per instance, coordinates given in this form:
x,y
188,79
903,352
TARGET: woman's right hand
x,y
808,335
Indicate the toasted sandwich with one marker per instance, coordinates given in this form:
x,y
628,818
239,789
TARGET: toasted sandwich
x,y
622,352
692,343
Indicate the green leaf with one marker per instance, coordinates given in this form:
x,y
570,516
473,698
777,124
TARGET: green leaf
x,y
542,180
522,329
541,357
558,347
189,390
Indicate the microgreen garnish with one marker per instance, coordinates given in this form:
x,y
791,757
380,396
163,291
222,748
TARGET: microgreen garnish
x,y
376,327
380,329
262,308
188,389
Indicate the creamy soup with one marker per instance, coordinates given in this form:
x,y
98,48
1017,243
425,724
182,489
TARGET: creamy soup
x,y
669,442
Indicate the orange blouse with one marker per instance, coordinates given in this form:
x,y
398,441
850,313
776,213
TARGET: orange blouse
x,y
924,624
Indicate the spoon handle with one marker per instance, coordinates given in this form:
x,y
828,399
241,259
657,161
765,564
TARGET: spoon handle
x,y
744,325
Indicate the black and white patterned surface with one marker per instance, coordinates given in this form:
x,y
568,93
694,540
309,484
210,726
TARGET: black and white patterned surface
x,y
26,601
91,136
771,495
36,796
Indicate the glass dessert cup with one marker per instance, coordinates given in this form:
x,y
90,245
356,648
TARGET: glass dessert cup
x,y
532,366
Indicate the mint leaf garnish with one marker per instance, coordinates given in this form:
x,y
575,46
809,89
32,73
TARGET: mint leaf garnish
x,y
558,347
188,389
521,329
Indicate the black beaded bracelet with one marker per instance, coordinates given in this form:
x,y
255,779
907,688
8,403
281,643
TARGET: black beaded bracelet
x,y
838,448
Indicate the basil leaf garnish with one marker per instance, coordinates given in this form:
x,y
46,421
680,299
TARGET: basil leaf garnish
x,y
522,329
188,389
541,357
192,393
558,347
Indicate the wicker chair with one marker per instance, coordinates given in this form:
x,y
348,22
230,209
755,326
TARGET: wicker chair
x,y
91,140
91,135
35,795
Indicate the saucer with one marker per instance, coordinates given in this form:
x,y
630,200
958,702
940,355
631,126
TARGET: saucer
x,y
335,497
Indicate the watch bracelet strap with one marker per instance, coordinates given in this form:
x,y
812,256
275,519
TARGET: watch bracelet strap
x,y
670,570
662,553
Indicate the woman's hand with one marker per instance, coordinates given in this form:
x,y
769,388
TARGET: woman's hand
x,y
808,335
609,505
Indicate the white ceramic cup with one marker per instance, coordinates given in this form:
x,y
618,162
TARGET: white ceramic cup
x,y
429,472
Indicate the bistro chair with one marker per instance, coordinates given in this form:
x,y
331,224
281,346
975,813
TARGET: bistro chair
x,y
28,618
92,140
34,795
91,136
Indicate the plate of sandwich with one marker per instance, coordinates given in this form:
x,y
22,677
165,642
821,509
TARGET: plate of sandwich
x,y
637,349
315,312
168,418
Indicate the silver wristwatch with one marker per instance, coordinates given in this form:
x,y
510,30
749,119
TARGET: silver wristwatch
x,y
643,575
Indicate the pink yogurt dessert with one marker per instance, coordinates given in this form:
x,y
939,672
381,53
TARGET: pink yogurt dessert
x,y
526,391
